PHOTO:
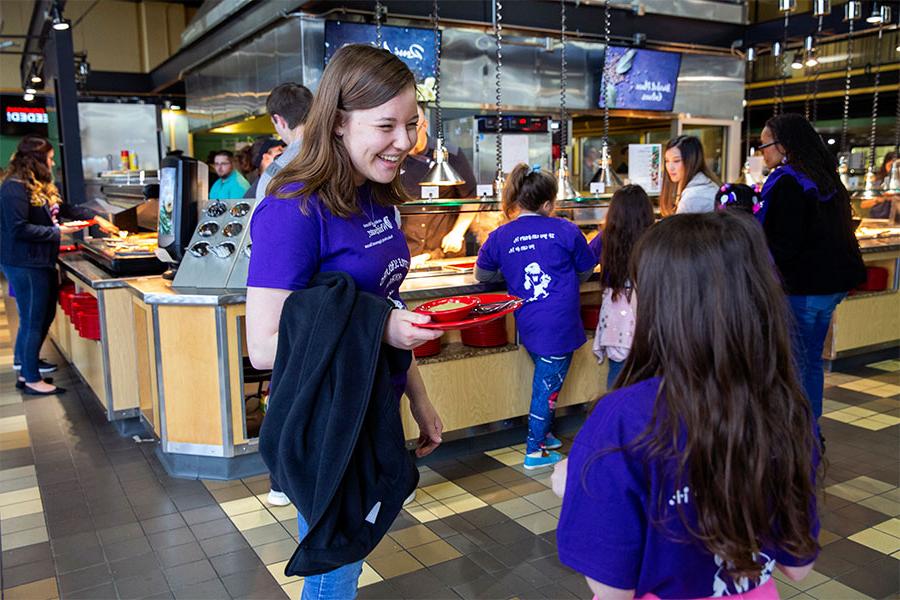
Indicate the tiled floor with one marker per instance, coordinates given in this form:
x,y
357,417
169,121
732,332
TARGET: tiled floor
x,y
86,513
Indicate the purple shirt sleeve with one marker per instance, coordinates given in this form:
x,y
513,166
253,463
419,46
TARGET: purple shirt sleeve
x,y
584,258
603,524
286,245
596,245
487,255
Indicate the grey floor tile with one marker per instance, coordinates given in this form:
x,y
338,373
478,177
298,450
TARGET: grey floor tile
x,y
148,583
189,574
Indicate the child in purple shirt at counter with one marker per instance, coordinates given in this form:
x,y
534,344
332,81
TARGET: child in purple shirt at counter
x,y
543,260
696,477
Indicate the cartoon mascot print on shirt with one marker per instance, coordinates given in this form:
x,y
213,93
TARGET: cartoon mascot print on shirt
x,y
537,281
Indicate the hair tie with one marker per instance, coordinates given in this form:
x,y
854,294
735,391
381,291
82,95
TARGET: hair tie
x,y
535,168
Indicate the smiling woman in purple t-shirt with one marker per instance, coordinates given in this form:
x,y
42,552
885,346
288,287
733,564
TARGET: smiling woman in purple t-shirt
x,y
696,477
335,210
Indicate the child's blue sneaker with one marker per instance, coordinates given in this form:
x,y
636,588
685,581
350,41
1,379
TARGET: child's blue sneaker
x,y
543,459
551,442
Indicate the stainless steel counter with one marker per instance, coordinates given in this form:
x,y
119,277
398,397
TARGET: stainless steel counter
x,y
76,265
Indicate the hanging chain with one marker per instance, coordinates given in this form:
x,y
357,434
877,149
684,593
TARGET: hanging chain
x,y
897,119
379,15
845,120
498,36
563,75
782,63
816,72
877,80
435,20
603,83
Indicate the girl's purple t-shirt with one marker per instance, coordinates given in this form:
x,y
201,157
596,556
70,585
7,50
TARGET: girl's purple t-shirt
x,y
610,528
540,258
290,247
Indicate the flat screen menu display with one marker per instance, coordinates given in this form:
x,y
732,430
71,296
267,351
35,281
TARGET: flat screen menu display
x,y
640,79
18,117
413,46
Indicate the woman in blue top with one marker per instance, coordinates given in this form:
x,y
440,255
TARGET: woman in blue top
x,y
695,478
335,210
543,260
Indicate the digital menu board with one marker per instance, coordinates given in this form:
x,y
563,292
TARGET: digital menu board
x,y
413,46
639,79
18,117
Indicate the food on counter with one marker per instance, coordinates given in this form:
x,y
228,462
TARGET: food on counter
x,y
129,244
449,309
868,233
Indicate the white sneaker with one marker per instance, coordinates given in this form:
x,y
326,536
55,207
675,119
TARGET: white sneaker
x,y
277,498
410,498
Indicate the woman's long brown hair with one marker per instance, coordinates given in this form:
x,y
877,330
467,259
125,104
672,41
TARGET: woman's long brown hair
x,y
630,214
731,414
692,157
29,164
358,77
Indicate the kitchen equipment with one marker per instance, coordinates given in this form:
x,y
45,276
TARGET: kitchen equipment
x,y
131,255
183,184
218,254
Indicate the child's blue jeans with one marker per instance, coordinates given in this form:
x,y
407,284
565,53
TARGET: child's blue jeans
x,y
549,376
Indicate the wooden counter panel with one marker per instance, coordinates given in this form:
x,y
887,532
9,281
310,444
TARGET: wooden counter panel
x,y
59,332
484,389
866,321
145,364
87,358
187,340
236,350
121,341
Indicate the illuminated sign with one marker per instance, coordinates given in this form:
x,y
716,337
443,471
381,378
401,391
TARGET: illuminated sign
x,y
18,118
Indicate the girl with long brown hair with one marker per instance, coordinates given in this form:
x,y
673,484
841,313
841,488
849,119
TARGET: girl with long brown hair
x,y
696,476
31,213
689,185
630,214
333,208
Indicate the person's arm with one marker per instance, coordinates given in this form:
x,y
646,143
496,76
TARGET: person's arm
x,y
585,275
264,307
485,276
430,425
605,592
796,573
453,241
584,258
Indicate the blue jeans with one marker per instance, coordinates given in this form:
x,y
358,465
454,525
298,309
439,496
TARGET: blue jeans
x,y
549,375
812,316
339,584
615,367
36,292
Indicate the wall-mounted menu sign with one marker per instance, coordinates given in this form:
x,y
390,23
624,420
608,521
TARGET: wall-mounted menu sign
x,y
18,117
413,46
640,79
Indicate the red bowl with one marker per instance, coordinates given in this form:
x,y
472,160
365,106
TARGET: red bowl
x,y
453,314
486,335
429,348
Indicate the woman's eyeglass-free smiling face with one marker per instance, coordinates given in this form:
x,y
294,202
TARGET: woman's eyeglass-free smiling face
x,y
378,139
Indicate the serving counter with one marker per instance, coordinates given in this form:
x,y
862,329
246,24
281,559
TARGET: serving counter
x,y
177,360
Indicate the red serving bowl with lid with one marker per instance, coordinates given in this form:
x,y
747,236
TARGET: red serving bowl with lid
x,y
433,310
429,348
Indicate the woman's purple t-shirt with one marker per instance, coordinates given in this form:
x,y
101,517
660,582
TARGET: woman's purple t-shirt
x,y
290,247
609,528
540,258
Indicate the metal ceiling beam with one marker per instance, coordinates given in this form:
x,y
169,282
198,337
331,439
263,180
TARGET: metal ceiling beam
x,y
38,27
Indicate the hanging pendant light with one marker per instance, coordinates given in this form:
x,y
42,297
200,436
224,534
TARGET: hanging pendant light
x,y
871,189
605,175
564,189
843,166
441,173
821,8
852,10
881,13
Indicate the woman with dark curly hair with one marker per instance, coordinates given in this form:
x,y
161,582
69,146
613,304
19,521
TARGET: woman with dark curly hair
x,y
806,216
30,230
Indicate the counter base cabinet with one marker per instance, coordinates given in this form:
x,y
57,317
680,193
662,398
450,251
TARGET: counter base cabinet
x,y
494,387
869,321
